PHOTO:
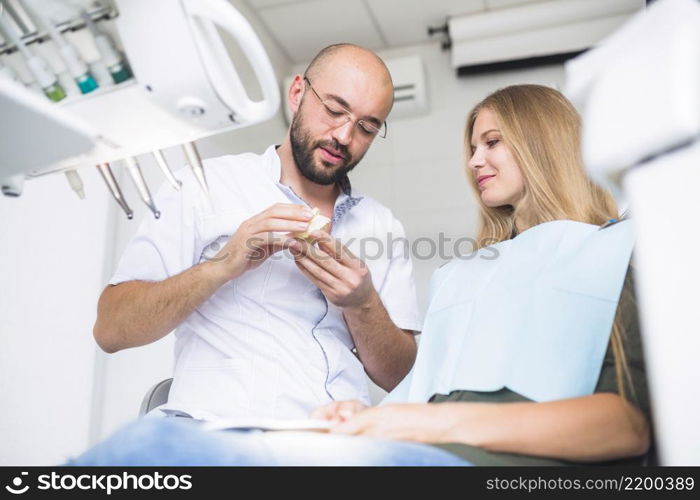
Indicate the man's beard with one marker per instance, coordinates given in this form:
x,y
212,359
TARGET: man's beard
x,y
303,152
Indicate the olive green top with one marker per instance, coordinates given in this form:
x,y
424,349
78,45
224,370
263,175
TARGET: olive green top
x,y
637,394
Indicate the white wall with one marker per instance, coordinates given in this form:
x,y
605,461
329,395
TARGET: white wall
x,y
52,259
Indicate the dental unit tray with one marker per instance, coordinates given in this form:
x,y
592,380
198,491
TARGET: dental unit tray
x,y
185,88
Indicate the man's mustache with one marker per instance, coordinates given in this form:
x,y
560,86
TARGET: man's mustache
x,y
336,148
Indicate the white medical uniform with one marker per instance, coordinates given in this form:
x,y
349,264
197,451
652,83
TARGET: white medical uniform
x,y
268,343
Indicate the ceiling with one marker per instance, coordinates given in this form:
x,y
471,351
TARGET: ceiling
x,y
302,27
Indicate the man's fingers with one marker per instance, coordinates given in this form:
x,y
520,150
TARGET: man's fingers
x,y
326,262
278,243
315,273
334,248
329,244
279,225
329,247
308,249
289,211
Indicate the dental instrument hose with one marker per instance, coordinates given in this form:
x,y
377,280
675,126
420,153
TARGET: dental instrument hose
x,y
39,68
76,66
116,65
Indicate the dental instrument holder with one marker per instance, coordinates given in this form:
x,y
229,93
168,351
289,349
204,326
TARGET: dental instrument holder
x,y
137,177
76,183
185,86
165,168
195,163
106,173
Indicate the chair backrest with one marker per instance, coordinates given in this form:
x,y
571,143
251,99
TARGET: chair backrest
x,y
155,396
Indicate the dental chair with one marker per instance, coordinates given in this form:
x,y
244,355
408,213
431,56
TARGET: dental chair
x,y
155,396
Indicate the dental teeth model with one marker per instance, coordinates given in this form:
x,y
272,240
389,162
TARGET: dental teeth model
x,y
317,223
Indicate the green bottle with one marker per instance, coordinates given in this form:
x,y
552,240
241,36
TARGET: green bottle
x,y
55,92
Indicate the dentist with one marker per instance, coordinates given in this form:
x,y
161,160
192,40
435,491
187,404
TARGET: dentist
x,y
264,327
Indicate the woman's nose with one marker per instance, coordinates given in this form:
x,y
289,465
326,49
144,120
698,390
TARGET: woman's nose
x,y
476,161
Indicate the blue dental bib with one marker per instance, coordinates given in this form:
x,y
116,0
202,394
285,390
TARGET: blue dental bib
x,y
532,314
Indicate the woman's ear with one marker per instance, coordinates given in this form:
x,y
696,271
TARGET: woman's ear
x,y
295,93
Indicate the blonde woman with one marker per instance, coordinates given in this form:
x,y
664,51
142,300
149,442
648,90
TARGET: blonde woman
x,y
563,348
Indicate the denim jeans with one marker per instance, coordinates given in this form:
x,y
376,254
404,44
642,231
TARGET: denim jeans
x,y
179,441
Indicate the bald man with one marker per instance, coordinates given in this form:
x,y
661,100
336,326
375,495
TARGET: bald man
x,y
267,324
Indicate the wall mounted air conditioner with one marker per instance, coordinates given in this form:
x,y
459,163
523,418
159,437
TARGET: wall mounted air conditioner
x,y
410,89
536,33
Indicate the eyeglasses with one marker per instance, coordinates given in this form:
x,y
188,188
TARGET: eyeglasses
x,y
337,115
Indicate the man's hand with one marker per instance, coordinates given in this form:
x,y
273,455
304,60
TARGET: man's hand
x,y
343,278
338,411
386,352
255,240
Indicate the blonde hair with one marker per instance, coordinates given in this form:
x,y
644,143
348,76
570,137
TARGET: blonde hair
x,y
542,130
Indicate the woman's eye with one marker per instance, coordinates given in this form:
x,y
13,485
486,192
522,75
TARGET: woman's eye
x,y
492,143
